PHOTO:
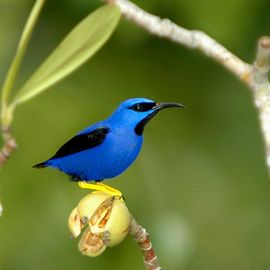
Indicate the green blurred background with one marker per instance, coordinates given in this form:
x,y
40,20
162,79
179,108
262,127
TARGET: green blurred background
x,y
200,184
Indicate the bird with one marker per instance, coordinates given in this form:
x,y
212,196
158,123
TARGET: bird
x,y
107,148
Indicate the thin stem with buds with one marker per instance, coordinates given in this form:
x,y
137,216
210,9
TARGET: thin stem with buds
x,y
142,238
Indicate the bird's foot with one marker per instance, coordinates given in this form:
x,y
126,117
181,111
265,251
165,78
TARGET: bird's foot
x,y
101,187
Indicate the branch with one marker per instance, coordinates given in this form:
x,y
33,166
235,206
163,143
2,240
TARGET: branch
x,y
142,238
8,147
192,39
255,76
262,90
262,62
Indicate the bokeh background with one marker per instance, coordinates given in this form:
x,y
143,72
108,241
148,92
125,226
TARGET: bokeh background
x,y
200,184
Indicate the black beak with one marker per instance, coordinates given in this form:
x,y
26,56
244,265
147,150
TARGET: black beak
x,y
158,106
162,105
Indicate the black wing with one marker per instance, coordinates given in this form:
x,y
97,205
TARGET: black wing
x,y
79,143
83,142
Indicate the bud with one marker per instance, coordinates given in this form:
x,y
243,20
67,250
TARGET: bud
x,y
75,223
107,219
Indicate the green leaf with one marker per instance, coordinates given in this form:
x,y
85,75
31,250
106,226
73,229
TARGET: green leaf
x,y
78,46
6,113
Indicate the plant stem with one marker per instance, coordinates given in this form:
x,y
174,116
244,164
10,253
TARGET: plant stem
x,y
9,144
17,60
6,110
8,147
142,238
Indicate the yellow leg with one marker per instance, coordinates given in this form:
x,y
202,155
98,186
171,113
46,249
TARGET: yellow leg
x,y
101,187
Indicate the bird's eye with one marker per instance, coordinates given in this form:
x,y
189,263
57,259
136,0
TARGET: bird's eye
x,y
138,108
142,107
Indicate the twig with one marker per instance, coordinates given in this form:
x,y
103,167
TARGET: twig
x,y
262,62
255,76
261,89
142,238
8,147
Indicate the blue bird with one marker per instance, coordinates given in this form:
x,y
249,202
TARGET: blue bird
x,y
107,148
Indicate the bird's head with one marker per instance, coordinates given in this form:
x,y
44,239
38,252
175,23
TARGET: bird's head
x,y
136,112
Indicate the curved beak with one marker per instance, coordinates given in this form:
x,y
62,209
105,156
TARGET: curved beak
x,y
162,105
158,106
